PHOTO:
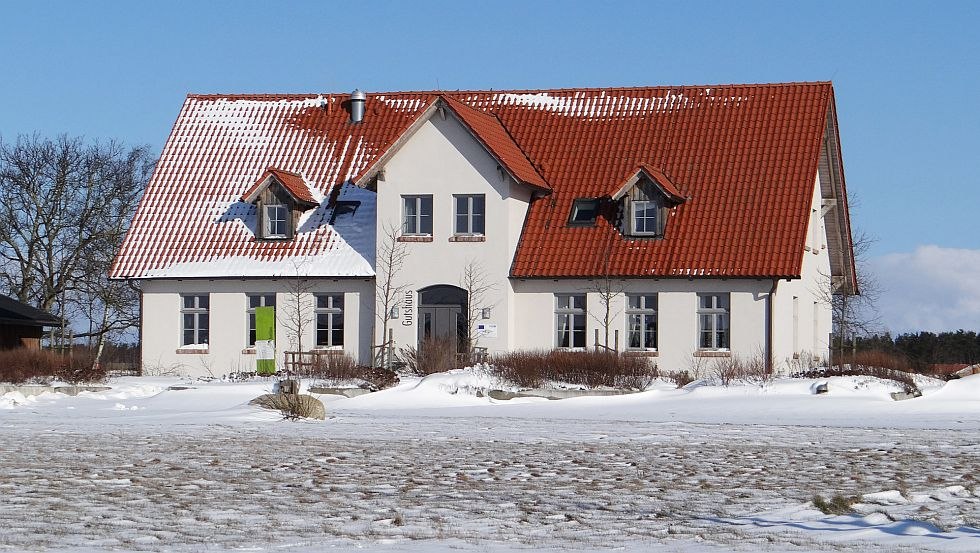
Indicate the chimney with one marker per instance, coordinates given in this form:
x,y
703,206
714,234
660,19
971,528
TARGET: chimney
x,y
357,99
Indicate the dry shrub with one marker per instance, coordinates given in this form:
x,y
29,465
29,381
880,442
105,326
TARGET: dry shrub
x,y
23,365
340,365
591,369
292,406
738,368
434,355
873,363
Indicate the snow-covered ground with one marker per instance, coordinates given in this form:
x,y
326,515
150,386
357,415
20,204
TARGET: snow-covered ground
x,y
436,465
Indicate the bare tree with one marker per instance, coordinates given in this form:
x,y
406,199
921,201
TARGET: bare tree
x,y
296,316
392,254
65,206
478,287
853,308
608,289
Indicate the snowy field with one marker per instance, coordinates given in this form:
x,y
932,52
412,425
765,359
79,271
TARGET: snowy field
x,y
435,465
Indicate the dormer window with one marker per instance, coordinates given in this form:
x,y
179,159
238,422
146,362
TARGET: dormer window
x,y
584,212
646,198
276,221
279,197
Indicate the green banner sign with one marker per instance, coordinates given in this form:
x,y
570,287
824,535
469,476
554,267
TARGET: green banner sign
x,y
265,340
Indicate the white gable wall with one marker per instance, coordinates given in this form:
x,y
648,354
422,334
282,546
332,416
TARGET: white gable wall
x,y
442,158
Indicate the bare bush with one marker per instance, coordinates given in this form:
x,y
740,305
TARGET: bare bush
x,y
341,366
433,355
739,368
583,368
21,365
837,505
872,363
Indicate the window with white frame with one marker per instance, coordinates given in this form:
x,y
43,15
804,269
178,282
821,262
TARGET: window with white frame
x,y
329,320
645,217
570,320
713,321
194,319
275,221
417,215
470,214
257,300
641,317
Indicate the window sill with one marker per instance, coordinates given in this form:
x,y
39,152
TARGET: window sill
x,y
415,238
468,238
248,351
712,353
641,353
192,351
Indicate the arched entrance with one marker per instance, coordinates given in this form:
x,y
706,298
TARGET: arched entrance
x,y
442,310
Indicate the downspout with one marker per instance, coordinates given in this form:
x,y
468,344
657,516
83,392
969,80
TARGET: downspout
x,y
769,324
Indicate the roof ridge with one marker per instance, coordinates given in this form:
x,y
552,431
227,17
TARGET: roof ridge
x,y
453,93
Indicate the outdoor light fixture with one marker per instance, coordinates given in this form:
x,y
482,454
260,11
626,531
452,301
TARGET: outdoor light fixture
x,y
394,312
486,313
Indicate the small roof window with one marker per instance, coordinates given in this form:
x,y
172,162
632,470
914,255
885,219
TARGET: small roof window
x,y
584,212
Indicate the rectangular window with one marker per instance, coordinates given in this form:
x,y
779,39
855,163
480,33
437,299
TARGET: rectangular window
x,y
329,320
194,319
470,214
641,317
417,215
570,320
275,221
584,212
713,321
257,300
645,217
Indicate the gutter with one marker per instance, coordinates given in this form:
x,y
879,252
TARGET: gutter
x,y
769,324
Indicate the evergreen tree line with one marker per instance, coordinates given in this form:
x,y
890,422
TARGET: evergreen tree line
x,y
923,349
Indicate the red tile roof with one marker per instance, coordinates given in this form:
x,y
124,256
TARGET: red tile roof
x,y
745,155
654,174
293,183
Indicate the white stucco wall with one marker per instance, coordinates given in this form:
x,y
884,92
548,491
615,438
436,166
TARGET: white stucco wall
x,y
228,326
813,323
442,159
677,314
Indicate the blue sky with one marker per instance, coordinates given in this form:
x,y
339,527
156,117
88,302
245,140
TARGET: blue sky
x,y
906,76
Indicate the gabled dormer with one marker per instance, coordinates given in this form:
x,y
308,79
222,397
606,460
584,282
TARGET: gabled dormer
x,y
646,199
280,198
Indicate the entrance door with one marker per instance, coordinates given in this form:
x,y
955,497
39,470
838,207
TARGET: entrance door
x,y
441,315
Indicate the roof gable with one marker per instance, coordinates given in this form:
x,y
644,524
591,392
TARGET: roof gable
x,y
292,183
484,127
654,175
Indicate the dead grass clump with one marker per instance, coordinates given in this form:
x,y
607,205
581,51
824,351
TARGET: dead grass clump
x,y
530,369
434,355
680,378
21,365
292,406
837,505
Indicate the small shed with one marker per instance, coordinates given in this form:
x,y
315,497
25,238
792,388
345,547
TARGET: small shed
x,y
21,325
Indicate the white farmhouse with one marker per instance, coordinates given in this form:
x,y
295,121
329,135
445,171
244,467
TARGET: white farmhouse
x,y
716,218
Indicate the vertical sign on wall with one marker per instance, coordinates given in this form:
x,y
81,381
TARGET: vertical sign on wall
x,y
265,340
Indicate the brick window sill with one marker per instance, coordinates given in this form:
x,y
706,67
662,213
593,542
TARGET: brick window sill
x,y
248,351
191,351
414,239
641,353
468,238
709,353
